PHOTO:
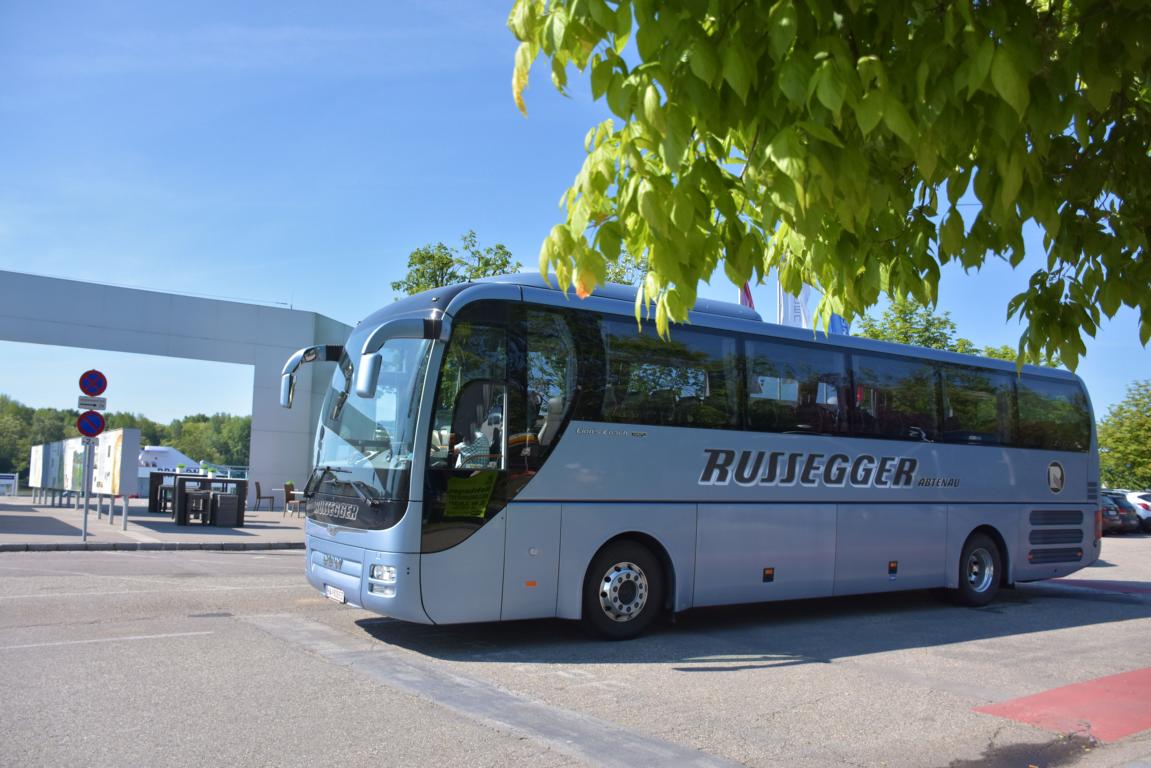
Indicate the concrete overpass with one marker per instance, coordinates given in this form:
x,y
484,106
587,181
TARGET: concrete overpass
x,y
70,313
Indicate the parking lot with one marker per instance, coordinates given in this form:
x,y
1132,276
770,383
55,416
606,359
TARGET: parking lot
x,y
193,658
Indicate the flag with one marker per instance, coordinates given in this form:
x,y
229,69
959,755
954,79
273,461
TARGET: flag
x,y
838,325
745,296
792,310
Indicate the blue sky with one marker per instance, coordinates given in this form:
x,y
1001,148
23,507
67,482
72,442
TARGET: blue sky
x,y
295,153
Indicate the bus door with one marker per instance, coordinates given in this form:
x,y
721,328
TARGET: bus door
x,y
465,485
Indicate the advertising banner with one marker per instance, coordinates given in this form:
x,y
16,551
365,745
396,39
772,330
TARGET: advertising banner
x,y
60,465
36,467
116,462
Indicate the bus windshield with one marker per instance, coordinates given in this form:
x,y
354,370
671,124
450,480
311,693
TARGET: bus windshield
x,y
364,446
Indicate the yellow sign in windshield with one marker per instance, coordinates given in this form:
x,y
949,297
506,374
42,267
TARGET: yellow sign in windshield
x,y
468,496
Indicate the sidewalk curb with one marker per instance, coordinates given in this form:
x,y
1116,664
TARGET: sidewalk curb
x,y
227,546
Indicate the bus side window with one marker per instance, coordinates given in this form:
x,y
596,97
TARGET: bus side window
x,y
895,398
689,380
792,388
977,406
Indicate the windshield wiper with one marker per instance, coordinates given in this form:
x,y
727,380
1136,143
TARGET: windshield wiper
x,y
317,477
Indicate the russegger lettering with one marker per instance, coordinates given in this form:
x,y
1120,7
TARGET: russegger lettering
x,y
337,510
807,469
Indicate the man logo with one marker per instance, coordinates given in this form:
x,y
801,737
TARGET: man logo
x,y
1055,476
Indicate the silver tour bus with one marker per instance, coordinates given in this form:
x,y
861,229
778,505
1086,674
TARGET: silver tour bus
x,y
496,450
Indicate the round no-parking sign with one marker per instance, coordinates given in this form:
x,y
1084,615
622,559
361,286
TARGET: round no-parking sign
x,y
90,423
93,383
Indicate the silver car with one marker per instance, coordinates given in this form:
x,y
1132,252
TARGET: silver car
x,y
1141,500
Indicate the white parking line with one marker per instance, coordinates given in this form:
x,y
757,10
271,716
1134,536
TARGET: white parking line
x,y
140,537
104,640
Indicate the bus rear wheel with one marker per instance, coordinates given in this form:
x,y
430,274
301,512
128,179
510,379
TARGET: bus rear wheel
x,y
623,591
980,568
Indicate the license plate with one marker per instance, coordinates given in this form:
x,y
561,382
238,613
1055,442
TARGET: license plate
x,y
334,593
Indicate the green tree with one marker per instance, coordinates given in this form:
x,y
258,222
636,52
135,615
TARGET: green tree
x,y
220,438
908,322
627,270
434,266
1124,447
832,140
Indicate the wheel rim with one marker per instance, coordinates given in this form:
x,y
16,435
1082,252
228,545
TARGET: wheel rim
x,y
623,592
980,570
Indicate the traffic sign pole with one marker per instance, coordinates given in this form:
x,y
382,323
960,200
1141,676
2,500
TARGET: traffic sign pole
x,y
90,424
86,482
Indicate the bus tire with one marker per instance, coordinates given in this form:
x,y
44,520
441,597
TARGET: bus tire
x,y
980,571
623,591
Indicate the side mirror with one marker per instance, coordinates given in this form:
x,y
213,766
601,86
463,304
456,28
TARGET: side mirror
x,y
368,374
368,370
327,353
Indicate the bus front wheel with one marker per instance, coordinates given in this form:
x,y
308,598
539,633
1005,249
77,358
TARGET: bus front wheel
x,y
980,568
623,591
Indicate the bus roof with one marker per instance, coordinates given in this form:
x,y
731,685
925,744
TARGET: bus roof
x,y
715,314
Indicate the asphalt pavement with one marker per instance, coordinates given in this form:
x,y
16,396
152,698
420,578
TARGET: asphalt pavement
x,y
221,657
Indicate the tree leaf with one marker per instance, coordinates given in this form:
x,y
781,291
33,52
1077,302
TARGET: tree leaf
x,y
651,110
601,75
703,61
736,70
897,120
793,79
524,56
555,27
651,208
829,87
951,233
1008,79
1011,180
869,111
786,152
781,20
619,97
821,132
980,66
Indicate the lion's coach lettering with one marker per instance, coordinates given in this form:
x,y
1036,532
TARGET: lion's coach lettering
x,y
807,469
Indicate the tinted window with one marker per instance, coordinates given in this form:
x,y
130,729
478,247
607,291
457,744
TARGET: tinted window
x,y
791,388
977,406
688,380
894,398
551,372
1053,415
466,481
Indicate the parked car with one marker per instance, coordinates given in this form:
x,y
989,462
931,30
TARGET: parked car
x,y
1109,511
1128,518
1141,500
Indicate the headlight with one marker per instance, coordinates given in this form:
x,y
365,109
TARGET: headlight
x,y
384,573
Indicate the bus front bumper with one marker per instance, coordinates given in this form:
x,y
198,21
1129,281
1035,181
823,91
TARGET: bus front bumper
x,y
382,582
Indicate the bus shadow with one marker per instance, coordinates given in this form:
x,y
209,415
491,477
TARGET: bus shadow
x,y
783,634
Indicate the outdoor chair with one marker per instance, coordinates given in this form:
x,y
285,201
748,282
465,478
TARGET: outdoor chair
x,y
292,504
260,497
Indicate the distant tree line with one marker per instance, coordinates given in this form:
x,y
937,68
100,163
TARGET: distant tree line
x,y
220,438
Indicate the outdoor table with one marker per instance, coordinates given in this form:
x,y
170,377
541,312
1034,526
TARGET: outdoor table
x,y
211,484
